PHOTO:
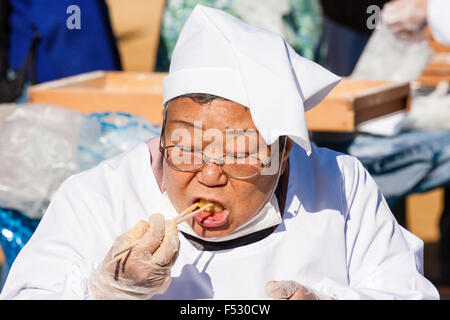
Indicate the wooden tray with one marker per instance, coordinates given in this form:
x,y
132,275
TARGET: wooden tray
x,y
437,70
354,101
350,103
437,46
99,91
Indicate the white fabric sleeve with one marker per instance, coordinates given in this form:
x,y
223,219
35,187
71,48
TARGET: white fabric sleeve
x,y
384,261
54,263
439,20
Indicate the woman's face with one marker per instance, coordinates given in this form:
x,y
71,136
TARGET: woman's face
x,y
205,127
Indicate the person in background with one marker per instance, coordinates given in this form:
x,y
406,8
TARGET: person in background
x,y
410,16
9,89
50,39
345,32
407,17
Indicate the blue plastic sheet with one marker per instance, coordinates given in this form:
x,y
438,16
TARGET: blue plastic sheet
x,y
15,231
104,135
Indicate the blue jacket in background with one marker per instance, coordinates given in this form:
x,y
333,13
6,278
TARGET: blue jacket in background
x,y
60,51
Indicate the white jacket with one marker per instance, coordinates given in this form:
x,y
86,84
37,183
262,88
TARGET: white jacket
x,y
338,236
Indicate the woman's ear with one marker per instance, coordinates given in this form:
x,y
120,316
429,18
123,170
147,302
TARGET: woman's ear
x,y
287,151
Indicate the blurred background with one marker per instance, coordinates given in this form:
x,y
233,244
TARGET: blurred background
x,y
81,81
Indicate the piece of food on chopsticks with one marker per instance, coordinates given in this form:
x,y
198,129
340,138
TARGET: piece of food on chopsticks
x,y
213,206
200,205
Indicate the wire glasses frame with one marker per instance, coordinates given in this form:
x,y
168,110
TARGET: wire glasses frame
x,y
219,161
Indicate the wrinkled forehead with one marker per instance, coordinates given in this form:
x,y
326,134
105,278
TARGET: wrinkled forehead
x,y
201,99
212,111
209,117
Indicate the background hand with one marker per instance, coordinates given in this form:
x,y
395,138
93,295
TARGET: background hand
x,y
405,16
289,290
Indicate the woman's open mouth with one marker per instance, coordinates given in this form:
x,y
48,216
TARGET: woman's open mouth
x,y
214,216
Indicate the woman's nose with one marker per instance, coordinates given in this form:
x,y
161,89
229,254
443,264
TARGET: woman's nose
x,y
212,175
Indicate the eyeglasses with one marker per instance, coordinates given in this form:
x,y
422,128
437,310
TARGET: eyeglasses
x,y
238,166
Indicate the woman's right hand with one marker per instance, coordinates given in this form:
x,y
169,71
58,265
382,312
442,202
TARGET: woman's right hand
x,y
142,271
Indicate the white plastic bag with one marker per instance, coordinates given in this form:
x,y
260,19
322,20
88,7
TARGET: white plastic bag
x,y
388,57
42,145
430,112
38,150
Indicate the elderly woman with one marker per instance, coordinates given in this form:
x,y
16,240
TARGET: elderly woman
x,y
247,207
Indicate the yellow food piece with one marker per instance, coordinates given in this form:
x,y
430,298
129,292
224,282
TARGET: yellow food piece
x,y
214,207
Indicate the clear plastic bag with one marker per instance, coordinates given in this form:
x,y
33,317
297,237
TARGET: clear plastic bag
x,y
42,145
388,57
430,112
38,150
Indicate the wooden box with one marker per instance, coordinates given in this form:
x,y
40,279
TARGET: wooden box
x,y
350,103
129,92
354,101
438,69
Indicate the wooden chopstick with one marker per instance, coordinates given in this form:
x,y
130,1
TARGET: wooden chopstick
x,y
117,256
186,214
127,248
189,209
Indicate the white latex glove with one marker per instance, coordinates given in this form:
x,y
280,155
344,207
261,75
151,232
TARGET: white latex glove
x,y
405,16
291,290
145,270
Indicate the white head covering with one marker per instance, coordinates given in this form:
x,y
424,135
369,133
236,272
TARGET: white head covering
x,y
218,54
